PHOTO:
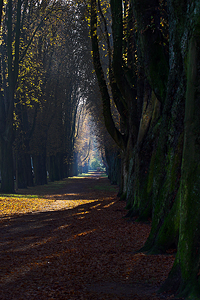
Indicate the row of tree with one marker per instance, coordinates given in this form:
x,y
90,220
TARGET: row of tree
x,y
45,75
146,59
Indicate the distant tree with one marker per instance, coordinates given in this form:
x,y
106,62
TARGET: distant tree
x,y
109,151
83,143
67,71
27,104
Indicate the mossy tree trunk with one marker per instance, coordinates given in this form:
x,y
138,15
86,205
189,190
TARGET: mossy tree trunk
x,y
152,57
184,276
188,255
172,175
161,182
165,168
174,170
138,195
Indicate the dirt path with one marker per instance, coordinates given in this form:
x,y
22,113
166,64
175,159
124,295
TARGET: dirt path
x,y
78,246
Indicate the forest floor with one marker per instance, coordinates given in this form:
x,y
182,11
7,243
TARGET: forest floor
x,y
69,240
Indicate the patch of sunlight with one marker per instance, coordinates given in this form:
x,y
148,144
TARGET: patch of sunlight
x,y
17,205
80,176
109,204
61,227
32,245
82,202
84,175
82,213
96,205
83,233
22,205
72,194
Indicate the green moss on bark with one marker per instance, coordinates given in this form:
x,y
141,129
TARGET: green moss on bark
x,y
187,262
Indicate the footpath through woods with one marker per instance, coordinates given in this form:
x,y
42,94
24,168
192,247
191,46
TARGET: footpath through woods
x,y
69,240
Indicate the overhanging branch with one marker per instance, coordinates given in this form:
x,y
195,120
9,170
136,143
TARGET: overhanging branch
x,y
109,123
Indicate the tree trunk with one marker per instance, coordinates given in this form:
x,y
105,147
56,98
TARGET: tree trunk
x,y
186,267
29,172
56,167
139,195
59,159
165,170
52,168
21,173
75,164
155,62
165,164
7,168
24,171
9,75
113,160
85,167
40,172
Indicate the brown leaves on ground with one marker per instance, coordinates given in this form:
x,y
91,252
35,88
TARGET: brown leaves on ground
x,y
75,244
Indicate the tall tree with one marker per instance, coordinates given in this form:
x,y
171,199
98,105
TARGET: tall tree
x,y
162,178
12,52
186,266
9,74
1,9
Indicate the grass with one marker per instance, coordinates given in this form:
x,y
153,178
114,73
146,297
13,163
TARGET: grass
x,y
111,188
91,173
39,191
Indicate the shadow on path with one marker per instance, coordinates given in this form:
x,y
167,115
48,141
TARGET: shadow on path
x,y
85,252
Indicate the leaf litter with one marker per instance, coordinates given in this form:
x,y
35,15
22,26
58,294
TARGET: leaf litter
x,y
73,243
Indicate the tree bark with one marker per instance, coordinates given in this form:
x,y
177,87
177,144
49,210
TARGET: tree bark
x,y
24,175
56,167
40,172
186,267
113,159
151,45
7,168
161,181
